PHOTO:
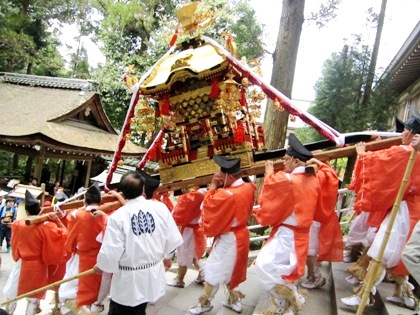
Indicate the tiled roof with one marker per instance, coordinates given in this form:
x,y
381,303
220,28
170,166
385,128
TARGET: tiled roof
x,y
52,82
404,69
50,116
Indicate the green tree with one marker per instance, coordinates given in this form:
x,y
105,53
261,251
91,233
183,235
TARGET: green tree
x,y
25,39
339,93
80,64
50,62
139,33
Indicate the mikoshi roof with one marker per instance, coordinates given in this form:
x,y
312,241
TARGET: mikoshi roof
x,y
63,115
202,61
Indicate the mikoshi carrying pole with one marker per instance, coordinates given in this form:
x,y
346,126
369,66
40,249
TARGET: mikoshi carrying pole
x,y
375,263
49,286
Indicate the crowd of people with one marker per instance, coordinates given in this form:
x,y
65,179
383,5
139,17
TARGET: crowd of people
x,y
125,254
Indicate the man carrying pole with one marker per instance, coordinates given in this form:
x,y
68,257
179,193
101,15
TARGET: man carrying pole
x,y
226,208
37,246
187,214
281,260
382,172
84,225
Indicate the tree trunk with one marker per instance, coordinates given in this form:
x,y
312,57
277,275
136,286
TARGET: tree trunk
x,y
372,65
284,64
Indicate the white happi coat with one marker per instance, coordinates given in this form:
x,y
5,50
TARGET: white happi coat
x,y
137,237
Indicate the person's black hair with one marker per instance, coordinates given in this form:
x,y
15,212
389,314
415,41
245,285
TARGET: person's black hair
x,y
131,185
93,195
33,209
149,191
90,200
3,312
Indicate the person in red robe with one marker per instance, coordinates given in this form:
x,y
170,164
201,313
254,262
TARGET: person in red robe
x,y
410,254
325,237
187,214
83,229
225,211
360,235
38,246
382,173
288,200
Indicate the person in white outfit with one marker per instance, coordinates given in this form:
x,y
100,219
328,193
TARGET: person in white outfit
x,y
137,237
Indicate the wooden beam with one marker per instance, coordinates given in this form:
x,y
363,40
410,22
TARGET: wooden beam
x,y
38,164
88,171
259,167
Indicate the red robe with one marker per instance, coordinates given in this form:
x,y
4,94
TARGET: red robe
x,y
83,229
166,200
186,210
279,198
56,272
357,185
37,245
219,209
330,237
381,173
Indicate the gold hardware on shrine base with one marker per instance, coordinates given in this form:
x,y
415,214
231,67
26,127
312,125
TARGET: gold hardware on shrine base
x,y
199,167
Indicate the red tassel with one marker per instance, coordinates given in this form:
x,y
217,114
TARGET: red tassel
x,y
164,106
239,137
243,97
261,134
174,38
215,89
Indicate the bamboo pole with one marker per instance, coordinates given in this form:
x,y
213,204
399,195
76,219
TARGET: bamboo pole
x,y
106,207
49,286
374,263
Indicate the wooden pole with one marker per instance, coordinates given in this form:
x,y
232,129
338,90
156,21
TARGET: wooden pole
x,y
374,264
88,171
258,168
106,207
77,204
49,286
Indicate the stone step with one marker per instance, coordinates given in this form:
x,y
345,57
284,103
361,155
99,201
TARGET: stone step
x,y
318,301
325,300
177,301
381,306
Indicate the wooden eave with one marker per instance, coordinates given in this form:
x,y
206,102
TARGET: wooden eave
x,y
94,105
404,69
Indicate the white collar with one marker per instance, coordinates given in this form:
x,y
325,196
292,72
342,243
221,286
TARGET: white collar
x,y
237,183
89,208
298,170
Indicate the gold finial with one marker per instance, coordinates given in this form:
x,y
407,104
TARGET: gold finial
x,y
191,20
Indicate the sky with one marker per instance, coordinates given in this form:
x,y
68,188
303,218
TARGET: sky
x,y
316,45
